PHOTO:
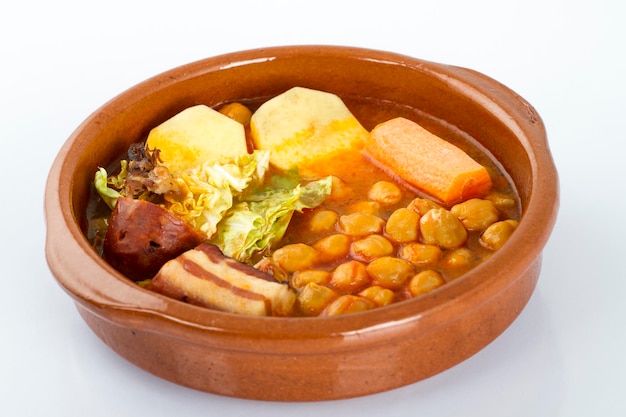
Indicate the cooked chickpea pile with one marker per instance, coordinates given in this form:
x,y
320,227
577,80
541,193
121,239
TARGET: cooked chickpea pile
x,y
380,250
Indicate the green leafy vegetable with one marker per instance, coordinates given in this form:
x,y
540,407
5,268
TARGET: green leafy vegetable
x,y
109,195
200,196
209,191
253,225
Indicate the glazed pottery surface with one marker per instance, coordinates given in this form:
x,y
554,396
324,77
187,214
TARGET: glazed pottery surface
x,y
305,359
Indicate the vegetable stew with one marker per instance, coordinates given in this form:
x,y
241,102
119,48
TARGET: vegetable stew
x,y
344,232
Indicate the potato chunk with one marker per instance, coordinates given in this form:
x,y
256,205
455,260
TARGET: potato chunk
x,y
302,126
197,135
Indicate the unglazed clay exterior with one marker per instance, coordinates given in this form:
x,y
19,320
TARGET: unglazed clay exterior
x,y
305,359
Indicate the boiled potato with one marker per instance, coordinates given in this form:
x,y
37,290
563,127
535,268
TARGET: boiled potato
x,y
303,126
197,135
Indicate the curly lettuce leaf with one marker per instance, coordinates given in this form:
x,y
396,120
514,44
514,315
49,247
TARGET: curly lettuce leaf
x,y
253,225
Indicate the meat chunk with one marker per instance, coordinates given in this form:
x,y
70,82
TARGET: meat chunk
x,y
204,276
142,236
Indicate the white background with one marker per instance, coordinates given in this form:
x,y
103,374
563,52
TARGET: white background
x,y
564,356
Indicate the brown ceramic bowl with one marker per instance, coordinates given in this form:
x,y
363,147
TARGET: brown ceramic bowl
x,y
298,359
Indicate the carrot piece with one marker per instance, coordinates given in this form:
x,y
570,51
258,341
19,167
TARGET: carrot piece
x,y
426,161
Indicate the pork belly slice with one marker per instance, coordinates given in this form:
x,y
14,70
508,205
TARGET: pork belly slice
x,y
204,276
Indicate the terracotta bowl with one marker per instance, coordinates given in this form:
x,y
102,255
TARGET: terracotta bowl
x,y
304,359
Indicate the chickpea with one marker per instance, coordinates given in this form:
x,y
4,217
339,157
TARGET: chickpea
x,y
367,207
378,295
501,201
498,233
295,257
440,227
420,254
360,224
403,225
389,272
425,281
385,193
340,190
346,304
476,214
458,258
371,247
422,205
333,247
316,276
322,221
314,298
237,112
349,276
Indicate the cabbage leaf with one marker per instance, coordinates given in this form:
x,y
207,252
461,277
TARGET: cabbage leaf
x,y
260,219
108,195
209,191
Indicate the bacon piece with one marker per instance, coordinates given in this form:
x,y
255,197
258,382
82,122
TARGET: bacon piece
x,y
204,276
